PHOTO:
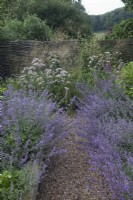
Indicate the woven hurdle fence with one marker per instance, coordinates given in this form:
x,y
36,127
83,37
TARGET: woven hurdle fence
x,y
15,55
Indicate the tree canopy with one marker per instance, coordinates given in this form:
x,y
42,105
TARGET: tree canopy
x,y
128,4
124,29
65,16
109,19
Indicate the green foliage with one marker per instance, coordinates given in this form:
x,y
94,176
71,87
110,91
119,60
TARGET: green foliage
x,y
68,17
108,20
31,28
35,28
100,35
2,89
128,4
122,30
88,47
16,184
126,79
98,64
51,76
64,16
12,30
5,179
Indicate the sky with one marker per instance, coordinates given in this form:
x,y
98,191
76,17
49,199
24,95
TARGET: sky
x,y
96,7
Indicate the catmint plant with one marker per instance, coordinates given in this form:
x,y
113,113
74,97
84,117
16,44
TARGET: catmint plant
x,y
31,127
29,121
104,120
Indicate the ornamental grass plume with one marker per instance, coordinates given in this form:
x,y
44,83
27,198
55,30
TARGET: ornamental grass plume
x,y
105,121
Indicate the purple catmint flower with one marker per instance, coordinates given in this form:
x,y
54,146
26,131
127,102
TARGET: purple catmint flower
x,y
27,144
31,126
23,161
108,67
104,120
130,162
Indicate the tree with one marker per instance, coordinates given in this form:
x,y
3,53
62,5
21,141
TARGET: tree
x,y
67,16
109,19
124,29
128,4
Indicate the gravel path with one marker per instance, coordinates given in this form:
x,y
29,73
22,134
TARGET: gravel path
x,y
69,176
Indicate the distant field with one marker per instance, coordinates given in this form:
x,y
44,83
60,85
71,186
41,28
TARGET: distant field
x,y
100,35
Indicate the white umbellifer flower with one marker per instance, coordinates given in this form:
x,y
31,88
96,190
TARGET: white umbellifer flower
x,y
58,76
63,81
49,76
34,74
66,88
55,81
48,72
58,69
31,68
64,73
100,61
39,79
55,60
42,65
30,72
35,60
24,70
36,64
40,83
51,82
68,82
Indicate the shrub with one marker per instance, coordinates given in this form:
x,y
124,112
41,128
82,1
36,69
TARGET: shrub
x,y
104,120
32,28
66,16
12,30
35,28
126,79
122,30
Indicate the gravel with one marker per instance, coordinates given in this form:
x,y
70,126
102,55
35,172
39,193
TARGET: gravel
x,y
69,176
